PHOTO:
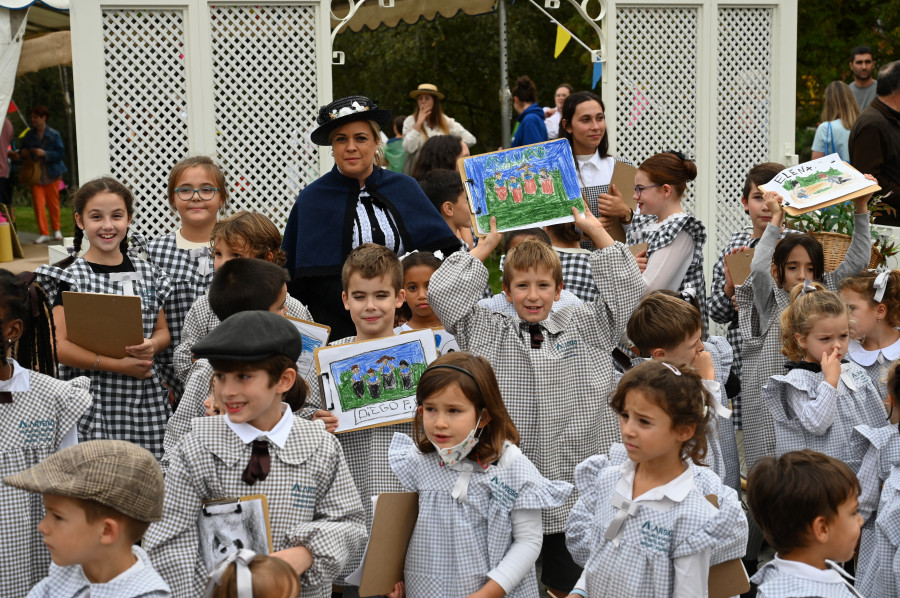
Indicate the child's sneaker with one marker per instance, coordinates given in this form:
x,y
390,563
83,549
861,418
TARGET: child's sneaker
x,y
57,235
42,239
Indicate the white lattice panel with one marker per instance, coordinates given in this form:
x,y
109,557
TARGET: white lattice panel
x,y
264,76
743,117
146,107
656,74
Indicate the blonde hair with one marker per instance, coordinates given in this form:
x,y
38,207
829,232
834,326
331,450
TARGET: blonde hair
x,y
864,284
532,253
272,578
380,159
840,104
252,230
804,311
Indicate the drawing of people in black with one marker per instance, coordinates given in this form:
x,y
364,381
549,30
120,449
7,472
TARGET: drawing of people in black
x,y
373,383
387,372
405,375
359,386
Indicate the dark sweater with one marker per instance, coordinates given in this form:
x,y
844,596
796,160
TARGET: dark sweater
x,y
875,150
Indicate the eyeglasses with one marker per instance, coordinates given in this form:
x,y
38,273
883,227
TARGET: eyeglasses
x,y
640,188
187,193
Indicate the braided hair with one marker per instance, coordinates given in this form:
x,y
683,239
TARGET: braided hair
x,y
79,201
21,298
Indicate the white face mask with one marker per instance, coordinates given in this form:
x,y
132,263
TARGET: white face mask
x,y
455,454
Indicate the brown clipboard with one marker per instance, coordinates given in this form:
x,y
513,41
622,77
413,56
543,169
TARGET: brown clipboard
x,y
728,578
623,179
103,323
791,211
739,266
392,527
638,248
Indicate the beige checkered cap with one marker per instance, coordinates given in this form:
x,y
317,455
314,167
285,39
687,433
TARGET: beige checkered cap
x,y
114,473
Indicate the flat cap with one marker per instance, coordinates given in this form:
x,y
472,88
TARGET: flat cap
x,y
114,473
251,336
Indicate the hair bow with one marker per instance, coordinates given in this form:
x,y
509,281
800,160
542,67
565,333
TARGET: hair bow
x,y
241,559
72,251
880,284
807,287
689,294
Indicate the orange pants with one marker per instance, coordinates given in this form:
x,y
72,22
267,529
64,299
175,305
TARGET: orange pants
x,y
46,195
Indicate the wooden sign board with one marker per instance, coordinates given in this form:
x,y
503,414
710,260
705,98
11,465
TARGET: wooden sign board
x,y
103,323
739,266
392,527
623,179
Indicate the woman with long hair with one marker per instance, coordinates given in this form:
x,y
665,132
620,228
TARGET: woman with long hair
x,y
839,112
428,121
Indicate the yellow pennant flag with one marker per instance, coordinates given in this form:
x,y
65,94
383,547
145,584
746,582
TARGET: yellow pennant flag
x,y
562,39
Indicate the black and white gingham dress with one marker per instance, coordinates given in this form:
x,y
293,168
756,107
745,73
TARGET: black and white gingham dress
x,y
591,194
640,232
557,395
124,408
576,272
33,427
187,285
454,544
200,321
311,497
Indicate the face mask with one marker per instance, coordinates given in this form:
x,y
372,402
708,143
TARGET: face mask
x,y
455,454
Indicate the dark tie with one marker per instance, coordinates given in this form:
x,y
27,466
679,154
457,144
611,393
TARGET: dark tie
x,y
258,467
377,234
5,397
536,337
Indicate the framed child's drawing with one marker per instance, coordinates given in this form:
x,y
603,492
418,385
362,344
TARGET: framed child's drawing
x,y
314,336
818,184
373,383
523,187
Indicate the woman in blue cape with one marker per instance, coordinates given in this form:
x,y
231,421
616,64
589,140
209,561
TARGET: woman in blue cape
x,y
356,202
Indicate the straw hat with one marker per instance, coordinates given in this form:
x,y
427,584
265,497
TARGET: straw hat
x,y
340,112
426,88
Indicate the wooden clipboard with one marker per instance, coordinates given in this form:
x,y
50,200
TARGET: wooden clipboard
x,y
739,266
638,248
392,527
623,179
103,323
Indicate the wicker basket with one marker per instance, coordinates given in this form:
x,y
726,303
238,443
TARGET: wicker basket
x,y
835,246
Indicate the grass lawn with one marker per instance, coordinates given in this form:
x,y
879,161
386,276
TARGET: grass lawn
x,y
25,221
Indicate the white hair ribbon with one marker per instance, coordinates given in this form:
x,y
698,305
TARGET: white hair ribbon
x,y
624,509
201,254
807,287
689,293
126,279
881,283
244,580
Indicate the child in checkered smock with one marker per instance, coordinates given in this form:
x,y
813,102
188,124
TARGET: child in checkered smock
x,y
244,234
881,578
555,369
197,191
38,416
878,451
674,239
777,267
130,402
874,302
819,401
645,527
666,326
480,498
806,505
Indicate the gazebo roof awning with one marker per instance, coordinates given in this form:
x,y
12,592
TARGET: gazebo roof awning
x,y
372,16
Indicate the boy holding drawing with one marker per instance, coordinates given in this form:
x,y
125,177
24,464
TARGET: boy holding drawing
x,y
259,447
555,369
99,498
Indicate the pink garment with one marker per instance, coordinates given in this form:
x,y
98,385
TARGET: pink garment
x,y
5,139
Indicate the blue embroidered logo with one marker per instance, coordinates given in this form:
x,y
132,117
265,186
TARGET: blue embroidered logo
x,y
655,537
502,494
147,295
304,496
567,349
37,431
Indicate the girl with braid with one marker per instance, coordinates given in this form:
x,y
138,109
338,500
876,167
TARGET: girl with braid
x,y
130,402
38,416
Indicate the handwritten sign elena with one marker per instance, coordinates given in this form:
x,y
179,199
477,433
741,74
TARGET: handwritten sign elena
x,y
373,383
523,187
818,184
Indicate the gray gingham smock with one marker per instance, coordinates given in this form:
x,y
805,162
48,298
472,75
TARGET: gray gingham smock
x,y
882,579
760,303
774,583
124,408
311,497
640,232
642,564
455,545
200,320
70,582
187,285
836,411
33,426
557,395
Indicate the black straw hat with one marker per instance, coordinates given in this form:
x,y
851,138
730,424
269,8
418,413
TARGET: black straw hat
x,y
340,112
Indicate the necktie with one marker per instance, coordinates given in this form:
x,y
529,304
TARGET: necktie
x,y
377,234
5,397
536,337
258,467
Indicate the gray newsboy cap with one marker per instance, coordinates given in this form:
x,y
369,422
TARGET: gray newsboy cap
x,y
251,336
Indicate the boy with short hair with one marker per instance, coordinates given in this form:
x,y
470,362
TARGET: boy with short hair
x,y
99,498
554,369
259,447
720,302
806,504
667,326
445,190
372,279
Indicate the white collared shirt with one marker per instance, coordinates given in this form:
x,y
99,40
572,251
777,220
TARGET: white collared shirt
x,y
866,358
594,171
20,381
182,243
278,435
